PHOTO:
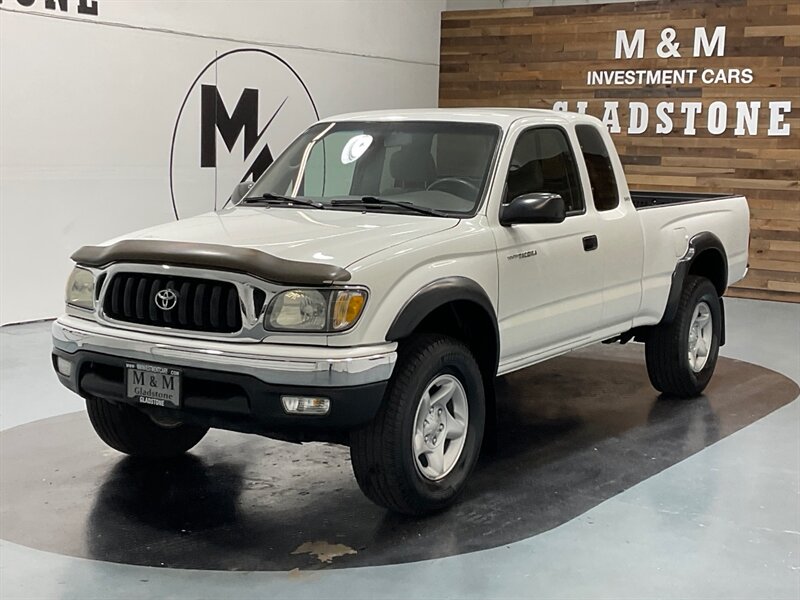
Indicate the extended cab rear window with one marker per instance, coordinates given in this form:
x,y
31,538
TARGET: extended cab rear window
x,y
598,164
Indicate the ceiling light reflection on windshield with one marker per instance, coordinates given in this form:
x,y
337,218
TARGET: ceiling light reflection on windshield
x,y
355,148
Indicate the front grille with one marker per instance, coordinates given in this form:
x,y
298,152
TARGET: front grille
x,y
201,304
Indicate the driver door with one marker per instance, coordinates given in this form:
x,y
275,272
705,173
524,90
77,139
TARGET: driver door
x,y
551,280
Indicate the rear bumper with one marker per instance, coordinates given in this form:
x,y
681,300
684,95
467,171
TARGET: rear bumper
x,y
236,386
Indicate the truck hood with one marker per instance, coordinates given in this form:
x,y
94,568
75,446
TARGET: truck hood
x,y
333,237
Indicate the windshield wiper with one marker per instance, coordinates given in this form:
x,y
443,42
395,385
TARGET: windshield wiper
x,y
367,200
277,200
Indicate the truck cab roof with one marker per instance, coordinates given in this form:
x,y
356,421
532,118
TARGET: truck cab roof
x,y
502,117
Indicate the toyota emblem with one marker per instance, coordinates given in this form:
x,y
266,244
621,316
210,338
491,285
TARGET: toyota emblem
x,y
166,299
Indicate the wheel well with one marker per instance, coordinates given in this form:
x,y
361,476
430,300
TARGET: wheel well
x,y
711,265
468,322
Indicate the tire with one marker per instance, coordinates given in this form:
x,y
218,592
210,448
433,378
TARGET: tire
x,y
667,347
132,432
386,464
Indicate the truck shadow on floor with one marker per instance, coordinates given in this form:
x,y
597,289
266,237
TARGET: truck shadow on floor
x,y
571,433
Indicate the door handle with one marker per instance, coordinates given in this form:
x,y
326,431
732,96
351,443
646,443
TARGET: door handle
x,y
590,243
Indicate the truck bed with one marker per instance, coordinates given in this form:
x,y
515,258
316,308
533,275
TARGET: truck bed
x,y
667,230
651,199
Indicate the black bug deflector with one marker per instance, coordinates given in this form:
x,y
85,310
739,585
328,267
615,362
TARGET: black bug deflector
x,y
212,256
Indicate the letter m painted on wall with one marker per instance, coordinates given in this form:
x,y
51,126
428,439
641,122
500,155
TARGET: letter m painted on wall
x,y
214,117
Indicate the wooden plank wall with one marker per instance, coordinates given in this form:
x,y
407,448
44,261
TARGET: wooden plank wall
x,y
533,57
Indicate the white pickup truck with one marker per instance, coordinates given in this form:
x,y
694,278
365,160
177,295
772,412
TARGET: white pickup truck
x,y
371,285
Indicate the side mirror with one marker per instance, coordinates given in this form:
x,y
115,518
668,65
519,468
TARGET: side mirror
x,y
540,207
240,191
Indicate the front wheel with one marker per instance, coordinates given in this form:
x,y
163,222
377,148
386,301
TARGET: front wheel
x,y
415,456
132,432
681,355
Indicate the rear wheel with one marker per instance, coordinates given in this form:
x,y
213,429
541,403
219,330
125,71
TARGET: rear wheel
x,y
132,432
416,454
681,356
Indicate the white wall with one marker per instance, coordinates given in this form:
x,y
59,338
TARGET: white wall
x,y
88,105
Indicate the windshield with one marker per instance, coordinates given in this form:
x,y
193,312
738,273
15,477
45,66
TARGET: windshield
x,y
440,166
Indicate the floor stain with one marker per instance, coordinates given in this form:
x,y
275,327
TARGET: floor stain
x,y
324,551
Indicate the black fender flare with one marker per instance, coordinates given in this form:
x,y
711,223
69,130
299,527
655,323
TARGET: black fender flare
x,y
437,294
697,245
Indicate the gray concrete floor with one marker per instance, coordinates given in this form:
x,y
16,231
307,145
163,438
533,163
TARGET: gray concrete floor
x,y
724,523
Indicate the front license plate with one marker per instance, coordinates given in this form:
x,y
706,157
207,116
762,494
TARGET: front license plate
x,y
154,385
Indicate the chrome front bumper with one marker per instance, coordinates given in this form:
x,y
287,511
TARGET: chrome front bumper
x,y
279,364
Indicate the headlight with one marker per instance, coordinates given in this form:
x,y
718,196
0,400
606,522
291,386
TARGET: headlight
x,y
323,311
80,288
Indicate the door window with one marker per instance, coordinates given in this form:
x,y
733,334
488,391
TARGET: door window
x,y
598,164
543,161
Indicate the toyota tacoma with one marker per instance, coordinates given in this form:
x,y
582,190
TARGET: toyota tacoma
x,y
371,285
